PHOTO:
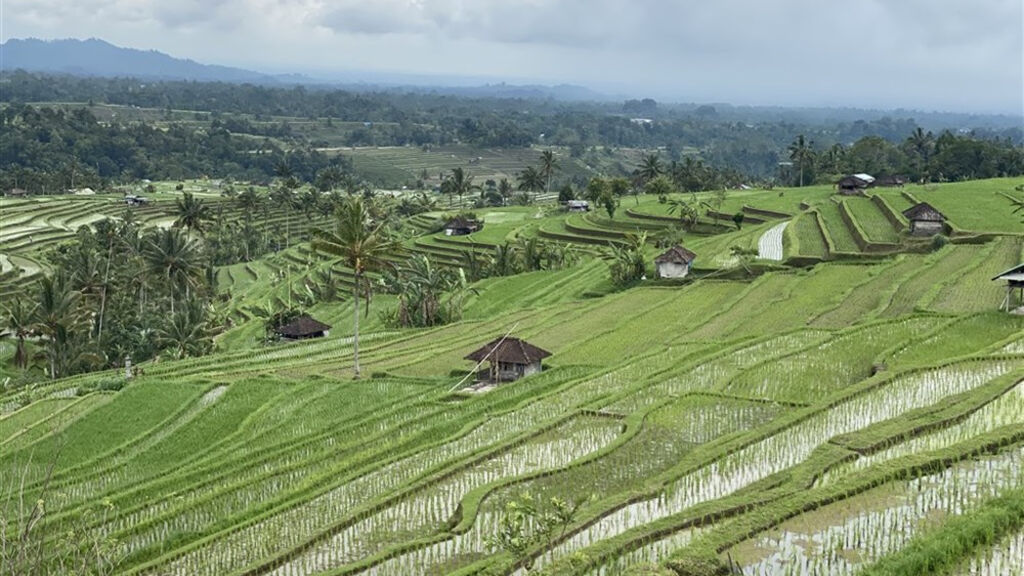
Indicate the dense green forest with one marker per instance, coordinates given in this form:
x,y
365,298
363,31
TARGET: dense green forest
x,y
245,132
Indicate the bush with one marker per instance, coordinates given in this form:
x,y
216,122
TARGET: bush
x,y
939,241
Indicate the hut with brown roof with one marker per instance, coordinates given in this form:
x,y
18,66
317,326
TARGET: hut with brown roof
x,y
890,181
510,358
674,262
460,226
15,193
854,184
302,328
924,219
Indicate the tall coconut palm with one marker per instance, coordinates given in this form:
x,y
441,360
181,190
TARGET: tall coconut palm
x,y
921,143
186,332
58,316
530,180
548,165
284,197
359,244
505,189
248,201
174,258
650,167
17,324
800,152
191,212
460,183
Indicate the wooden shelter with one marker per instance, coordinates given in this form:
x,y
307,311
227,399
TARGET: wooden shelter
x,y
854,184
577,206
1014,278
925,220
460,226
510,358
890,181
15,193
674,262
302,328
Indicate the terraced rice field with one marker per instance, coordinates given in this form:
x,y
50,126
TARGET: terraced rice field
x,y
803,421
871,220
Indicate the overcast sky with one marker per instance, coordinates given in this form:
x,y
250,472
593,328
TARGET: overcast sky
x,y
958,55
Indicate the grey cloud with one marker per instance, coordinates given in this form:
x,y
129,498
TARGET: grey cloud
x,y
912,53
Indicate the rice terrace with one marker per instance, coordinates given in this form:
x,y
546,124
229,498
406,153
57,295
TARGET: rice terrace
x,y
257,328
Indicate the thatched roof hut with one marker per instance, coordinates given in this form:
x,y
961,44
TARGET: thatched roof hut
x,y
510,358
674,262
460,226
302,328
925,219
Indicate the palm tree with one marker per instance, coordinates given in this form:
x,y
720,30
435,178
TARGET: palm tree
x,y
17,323
186,333
285,198
359,244
1018,207
530,180
689,175
58,317
548,165
687,212
173,257
921,143
191,213
835,157
505,189
800,151
460,183
650,167
248,201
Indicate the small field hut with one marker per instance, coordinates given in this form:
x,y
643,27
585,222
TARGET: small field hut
x,y
674,262
890,181
925,220
303,328
1014,278
577,206
510,358
854,184
460,226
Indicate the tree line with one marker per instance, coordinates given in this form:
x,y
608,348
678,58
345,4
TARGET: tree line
x,y
232,121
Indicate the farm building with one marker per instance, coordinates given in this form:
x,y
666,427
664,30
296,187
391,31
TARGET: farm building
x,y
674,262
1014,278
854,184
890,181
461,226
133,200
302,328
577,206
510,358
15,192
924,219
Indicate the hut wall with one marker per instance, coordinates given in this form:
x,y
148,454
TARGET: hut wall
x,y
672,270
925,228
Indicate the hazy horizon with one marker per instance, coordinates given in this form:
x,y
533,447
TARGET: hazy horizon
x,y
943,56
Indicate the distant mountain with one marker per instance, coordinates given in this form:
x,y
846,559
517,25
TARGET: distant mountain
x,y
94,57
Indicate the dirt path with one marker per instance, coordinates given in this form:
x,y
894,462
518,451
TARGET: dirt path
x,y
769,246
